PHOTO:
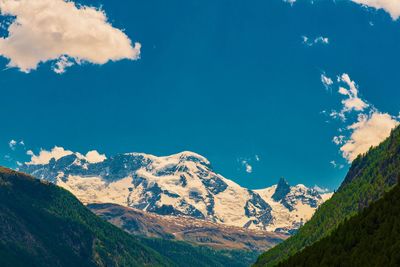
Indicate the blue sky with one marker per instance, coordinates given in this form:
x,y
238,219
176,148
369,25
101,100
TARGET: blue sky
x,y
230,80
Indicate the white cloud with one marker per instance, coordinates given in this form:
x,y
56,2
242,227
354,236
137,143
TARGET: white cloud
x,y
45,156
321,40
390,6
336,165
290,1
12,144
338,115
326,81
369,130
62,64
317,40
257,157
320,189
56,153
59,30
353,102
95,157
339,140
247,166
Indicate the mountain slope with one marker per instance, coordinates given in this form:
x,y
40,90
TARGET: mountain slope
x,y
44,225
371,238
369,177
183,184
187,229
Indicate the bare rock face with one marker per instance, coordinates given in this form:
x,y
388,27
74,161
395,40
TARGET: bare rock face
x,y
282,190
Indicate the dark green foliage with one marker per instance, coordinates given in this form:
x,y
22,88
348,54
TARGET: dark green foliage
x,y
371,238
369,177
183,254
44,225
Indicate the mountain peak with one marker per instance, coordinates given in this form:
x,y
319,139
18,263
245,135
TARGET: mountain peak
x,y
184,155
282,189
283,181
192,156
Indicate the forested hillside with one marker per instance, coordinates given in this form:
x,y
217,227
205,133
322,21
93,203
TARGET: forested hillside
x,y
371,238
369,177
44,225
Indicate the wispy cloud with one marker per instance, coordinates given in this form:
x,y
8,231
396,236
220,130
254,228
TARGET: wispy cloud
x,y
351,101
320,189
326,81
248,167
247,163
60,31
13,144
338,140
336,165
290,1
370,127
57,152
368,131
318,40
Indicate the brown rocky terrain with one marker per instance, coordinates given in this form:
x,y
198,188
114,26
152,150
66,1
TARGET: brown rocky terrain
x,y
187,229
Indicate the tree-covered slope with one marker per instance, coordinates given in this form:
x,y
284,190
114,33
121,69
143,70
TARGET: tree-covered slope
x,y
44,225
369,177
371,238
184,254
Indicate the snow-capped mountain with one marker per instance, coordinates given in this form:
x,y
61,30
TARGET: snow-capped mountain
x,y
291,206
183,184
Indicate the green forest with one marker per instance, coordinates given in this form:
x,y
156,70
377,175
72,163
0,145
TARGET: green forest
x,y
371,238
370,176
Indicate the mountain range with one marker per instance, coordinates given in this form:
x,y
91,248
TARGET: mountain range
x,y
354,227
181,185
44,225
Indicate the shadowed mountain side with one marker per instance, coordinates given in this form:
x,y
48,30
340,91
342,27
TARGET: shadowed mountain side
x,y
370,176
371,238
44,225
